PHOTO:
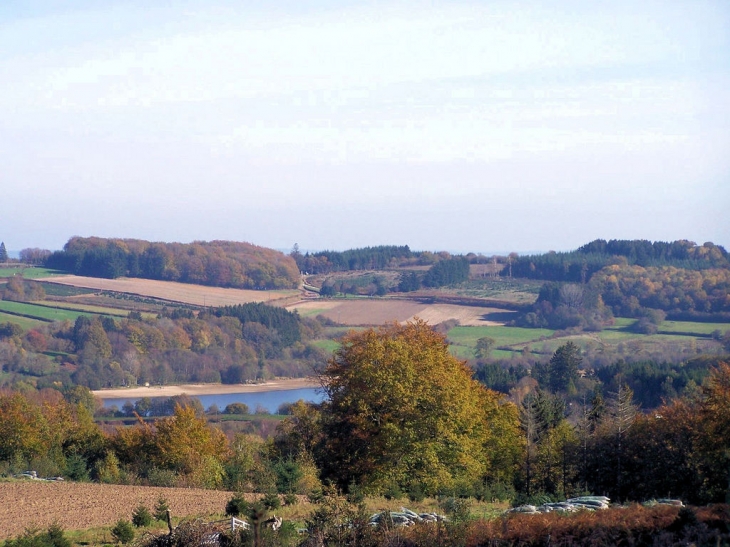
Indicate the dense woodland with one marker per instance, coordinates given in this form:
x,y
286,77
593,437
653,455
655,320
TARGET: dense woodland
x,y
579,265
230,345
217,263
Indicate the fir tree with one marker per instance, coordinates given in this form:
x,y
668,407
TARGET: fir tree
x,y
3,252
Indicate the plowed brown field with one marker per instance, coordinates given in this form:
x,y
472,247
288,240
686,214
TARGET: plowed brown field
x,y
376,312
198,295
77,506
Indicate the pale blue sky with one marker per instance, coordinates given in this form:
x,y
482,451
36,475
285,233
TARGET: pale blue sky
x,y
467,126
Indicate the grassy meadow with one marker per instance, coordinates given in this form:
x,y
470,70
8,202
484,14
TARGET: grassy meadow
x,y
35,311
30,272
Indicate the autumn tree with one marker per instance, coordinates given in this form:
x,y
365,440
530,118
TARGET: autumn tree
x,y
188,446
484,347
403,412
714,445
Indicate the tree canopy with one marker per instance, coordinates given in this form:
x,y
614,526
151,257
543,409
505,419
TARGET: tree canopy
x,y
216,263
404,413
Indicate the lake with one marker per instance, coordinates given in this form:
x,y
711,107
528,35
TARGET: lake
x,y
270,400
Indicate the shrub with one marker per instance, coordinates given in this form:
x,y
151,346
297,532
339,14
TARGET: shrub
x,y
123,531
162,477
458,509
161,509
53,537
355,493
141,516
415,493
76,469
237,506
290,499
393,492
271,501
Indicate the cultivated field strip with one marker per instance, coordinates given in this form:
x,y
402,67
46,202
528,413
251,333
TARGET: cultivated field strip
x,y
78,506
198,295
376,312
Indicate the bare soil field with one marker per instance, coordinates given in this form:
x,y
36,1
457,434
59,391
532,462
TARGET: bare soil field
x,y
198,295
78,506
357,312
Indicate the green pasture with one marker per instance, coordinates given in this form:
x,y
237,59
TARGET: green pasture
x,y
463,339
35,311
693,327
26,323
504,336
30,272
311,312
57,289
328,345
467,352
99,310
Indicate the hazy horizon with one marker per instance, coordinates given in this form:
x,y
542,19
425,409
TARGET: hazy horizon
x,y
461,126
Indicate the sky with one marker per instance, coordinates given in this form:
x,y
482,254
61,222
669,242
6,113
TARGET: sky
x,y
488,126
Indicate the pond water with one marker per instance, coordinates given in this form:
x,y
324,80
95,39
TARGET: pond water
x,y
270,400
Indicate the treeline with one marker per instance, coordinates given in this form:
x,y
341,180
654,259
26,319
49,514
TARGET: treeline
x,y
216,263
695,294
650,294
232,345
578,266
286,324
366,258
447,271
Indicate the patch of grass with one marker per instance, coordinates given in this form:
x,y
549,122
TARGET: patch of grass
x,y
30,272
693,327
26,323
327,345
99,310
57,289
34,311
504,336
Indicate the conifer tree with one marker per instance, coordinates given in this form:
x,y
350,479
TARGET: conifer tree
x,y
3,252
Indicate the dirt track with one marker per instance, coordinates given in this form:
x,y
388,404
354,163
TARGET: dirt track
x,y
78,506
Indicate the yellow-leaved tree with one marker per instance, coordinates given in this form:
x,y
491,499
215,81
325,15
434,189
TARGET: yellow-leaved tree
x,y
402,412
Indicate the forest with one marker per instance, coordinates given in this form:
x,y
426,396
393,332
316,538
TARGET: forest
x,y
230,345
216,263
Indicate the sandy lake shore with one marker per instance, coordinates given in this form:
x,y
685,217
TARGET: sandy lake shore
x,y
206,389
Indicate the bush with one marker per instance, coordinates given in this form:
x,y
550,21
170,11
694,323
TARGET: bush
x,y
290,499
237,506
393,492
141,516
355,494
162,477
416,494
53,537
457,509
76,469
161,509
271,501
123,531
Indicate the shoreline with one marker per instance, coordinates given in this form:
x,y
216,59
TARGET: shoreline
x,y
206,389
